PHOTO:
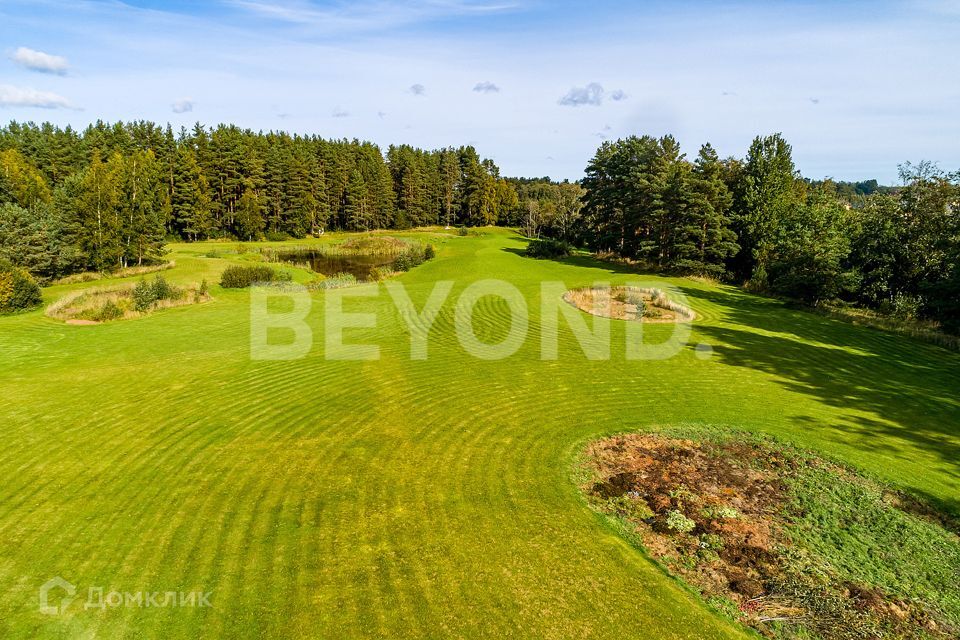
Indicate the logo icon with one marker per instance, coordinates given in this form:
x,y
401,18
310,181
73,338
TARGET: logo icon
x,y
54,585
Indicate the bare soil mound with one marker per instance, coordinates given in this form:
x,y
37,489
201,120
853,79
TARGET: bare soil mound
x,y
787,543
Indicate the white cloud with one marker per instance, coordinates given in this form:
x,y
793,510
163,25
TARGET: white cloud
x,y
340,113
418,90
183,105
11,96
486,87
592,94
39,61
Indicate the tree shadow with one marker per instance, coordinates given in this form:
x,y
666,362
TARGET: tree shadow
x,y
909,385
586,261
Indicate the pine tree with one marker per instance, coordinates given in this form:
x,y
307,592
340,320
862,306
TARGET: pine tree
x,y
766,195
358,206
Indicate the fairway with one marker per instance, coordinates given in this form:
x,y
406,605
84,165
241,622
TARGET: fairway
x,y
408,498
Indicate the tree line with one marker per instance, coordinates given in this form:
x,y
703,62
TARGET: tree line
x,y
111,195
757,220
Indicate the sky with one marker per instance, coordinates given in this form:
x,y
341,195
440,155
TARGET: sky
x,y
856,87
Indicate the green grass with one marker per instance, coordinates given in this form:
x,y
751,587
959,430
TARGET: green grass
x,y
403,498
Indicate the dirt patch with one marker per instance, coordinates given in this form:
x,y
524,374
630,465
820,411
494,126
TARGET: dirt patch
x,y
629,303
718,514
81,323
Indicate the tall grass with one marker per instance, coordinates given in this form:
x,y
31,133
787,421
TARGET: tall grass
x,y
128,272
385,246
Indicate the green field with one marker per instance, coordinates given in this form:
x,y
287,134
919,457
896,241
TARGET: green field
x,y
398,498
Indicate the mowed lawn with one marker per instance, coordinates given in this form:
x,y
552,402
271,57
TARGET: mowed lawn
x,y
398,498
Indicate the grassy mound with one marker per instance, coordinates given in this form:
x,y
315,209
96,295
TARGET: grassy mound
x,y
104,304
791,545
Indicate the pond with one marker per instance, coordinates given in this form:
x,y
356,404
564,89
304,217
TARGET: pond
x,y
358,265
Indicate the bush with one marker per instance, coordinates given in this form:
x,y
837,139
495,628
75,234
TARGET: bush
x,y
403,262
548,248
462,231
18,290
109,311
143,296
241,277
146,294
161,289
278,236
413,257
380,273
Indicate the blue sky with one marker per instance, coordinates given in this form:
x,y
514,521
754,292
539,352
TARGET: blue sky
x,y
856,87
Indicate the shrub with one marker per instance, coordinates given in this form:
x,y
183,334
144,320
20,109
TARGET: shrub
x,y
161,289
403,262
548,248
380,273
277,236
412,257
462,231
241,277
635,297
143,297
18,290
145,294
429,253
109,311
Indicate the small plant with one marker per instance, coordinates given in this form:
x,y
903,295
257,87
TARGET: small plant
x,y
201,291
679,523
727,513
462,231
429,253
631,507
634,297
